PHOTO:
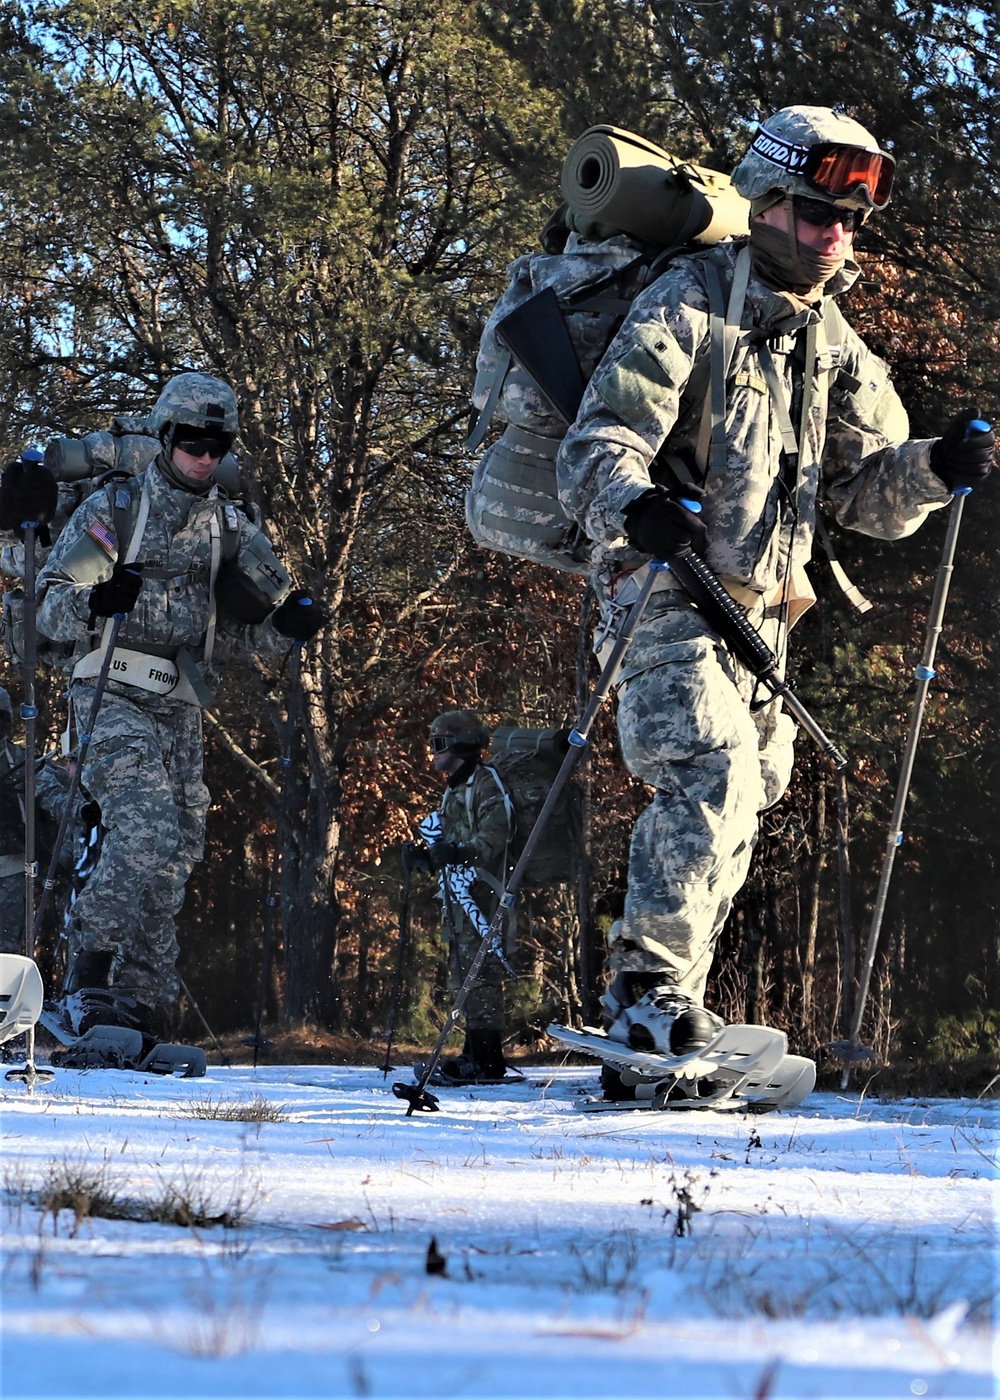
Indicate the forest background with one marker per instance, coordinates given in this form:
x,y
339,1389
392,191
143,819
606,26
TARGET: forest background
x,y
317,201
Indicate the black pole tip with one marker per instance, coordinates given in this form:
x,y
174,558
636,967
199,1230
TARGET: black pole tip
x,y
420,1100
30,1075
258,1042
850,1051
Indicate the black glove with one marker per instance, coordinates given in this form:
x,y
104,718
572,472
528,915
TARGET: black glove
x,y
444,853
28,492
416,857
656,523
117,594
300,616
962,455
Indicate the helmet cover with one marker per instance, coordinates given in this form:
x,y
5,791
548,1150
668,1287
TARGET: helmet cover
x,y
197,401
462,729
819,153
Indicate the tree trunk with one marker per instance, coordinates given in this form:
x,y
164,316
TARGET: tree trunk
x,y
310,910
813,903
844,905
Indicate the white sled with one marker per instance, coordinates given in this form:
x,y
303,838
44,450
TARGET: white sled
x,y
742,1067
21,995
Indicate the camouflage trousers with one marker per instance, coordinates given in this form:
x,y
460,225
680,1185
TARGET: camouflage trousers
x,y
12,912
144,768
686,729
484,1008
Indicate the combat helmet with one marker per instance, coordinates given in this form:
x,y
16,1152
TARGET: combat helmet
x,y
818,153
198,402
460,732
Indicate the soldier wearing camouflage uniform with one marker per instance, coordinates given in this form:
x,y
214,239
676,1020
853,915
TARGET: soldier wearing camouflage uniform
x,y
193,576
468,846
51,790
808,409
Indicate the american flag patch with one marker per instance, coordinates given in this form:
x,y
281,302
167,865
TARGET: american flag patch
x,y
104,536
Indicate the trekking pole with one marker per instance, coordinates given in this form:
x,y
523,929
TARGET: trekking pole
x,y
850,1050
274,874
416,1095
201,1017
397,980
83,747
29,1074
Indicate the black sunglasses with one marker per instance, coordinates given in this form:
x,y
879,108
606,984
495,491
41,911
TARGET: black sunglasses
x,y
202,446
821,214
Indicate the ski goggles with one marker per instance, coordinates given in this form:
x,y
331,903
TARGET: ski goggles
x,y
841,171
823,215
204,446
459,743
838,171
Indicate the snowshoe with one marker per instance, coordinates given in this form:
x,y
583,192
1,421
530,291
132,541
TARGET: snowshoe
x,y
119,1046
21,995
461,1070
481,1062
739,1067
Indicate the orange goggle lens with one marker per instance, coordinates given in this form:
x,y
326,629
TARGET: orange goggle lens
x,y
839,171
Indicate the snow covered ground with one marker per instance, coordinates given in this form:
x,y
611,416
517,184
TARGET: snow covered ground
x,y
844,1250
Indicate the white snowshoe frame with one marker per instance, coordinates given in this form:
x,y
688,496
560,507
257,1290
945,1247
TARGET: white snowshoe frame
x,y
21,995
118,1047
742,1067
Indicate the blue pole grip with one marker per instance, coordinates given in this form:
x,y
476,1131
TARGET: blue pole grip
x,y
695,506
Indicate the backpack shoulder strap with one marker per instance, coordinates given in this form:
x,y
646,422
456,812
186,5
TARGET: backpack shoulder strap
x,y
123,492
508,804
724,325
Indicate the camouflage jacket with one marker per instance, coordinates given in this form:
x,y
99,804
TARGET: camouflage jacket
x,y
174,601
855,447
473,814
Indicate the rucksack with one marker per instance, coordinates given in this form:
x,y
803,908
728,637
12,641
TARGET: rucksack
x,y
631,208
103,460
524,764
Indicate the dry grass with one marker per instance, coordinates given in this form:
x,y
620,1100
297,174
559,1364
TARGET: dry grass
x,y
91,1191
237,1110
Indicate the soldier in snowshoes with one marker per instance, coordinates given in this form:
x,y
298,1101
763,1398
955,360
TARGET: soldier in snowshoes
x,y
808,409
51,792
193,576
466,841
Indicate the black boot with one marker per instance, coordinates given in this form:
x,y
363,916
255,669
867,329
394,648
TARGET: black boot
x,y
89,970
88,1000
486,1048
481,1061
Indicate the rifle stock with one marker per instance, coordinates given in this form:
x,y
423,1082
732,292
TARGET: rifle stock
x,y
536,335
